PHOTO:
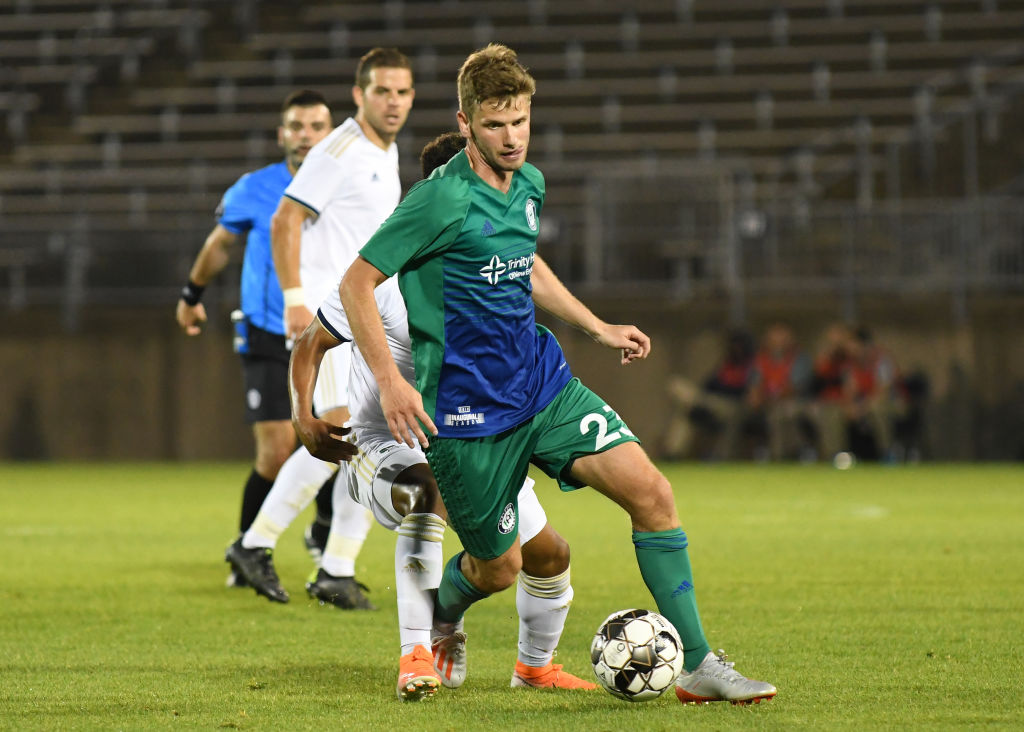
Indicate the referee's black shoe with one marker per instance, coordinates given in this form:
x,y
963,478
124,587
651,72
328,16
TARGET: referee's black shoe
x,y
257,567
342,592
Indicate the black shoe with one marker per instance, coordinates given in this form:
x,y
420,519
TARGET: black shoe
x,y
257,567
315,539
342,592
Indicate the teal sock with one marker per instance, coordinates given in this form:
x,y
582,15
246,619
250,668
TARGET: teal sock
x,y
455,593
665,567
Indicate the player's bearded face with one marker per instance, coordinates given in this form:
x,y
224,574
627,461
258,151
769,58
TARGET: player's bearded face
x,y
501,132
302,128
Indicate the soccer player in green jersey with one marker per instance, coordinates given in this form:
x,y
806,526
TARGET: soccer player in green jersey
x,y
493,389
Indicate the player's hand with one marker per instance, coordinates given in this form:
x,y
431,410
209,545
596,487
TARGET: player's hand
x,y
325,440
296,319
403,408
633,342
190,316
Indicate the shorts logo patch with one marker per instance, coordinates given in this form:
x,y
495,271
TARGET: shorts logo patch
x,y
507,522
253,398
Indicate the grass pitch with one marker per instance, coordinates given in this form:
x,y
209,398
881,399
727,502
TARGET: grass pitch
x,y
872,598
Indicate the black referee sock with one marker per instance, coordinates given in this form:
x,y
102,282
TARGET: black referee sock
x,y
256,490
324,502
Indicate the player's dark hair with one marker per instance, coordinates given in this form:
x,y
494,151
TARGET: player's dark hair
x,y
389,58
303,98
440,150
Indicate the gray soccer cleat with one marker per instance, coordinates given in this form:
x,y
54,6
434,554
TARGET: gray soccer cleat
x,y
716,680
448,645
256,566
342,592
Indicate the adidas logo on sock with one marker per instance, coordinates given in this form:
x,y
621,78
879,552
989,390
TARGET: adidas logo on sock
x,y
684,587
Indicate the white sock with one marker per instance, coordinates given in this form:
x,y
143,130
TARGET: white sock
x,y
349,526
543,604
419,563
295,488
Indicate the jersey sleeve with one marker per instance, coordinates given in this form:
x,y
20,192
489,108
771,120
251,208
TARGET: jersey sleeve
x,y
235,211
316,180
425,223
390,305
333,318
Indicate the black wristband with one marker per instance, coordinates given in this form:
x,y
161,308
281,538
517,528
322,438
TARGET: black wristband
x,y
192,293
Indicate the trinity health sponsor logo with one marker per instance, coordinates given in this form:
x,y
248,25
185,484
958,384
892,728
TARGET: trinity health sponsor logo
x,y
511,269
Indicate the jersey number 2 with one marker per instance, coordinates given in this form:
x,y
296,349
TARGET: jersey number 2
x,y
604,437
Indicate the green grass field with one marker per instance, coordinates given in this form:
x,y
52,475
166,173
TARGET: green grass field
x,y
873,598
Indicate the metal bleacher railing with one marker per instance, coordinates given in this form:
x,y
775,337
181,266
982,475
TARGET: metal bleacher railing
x,y
710,240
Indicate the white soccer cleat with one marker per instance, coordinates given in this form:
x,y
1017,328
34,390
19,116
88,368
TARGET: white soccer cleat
x,y
448,645
716,680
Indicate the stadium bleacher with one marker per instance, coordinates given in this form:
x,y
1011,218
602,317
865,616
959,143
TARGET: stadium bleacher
x,y
122,106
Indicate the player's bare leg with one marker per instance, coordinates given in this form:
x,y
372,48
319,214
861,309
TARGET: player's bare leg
x,y
543,597
626,475
418,565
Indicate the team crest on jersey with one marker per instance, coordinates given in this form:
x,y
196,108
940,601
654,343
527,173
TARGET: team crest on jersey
x,y
531,214
507,522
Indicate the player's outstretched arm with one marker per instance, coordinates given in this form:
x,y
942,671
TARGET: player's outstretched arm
x,y
322,439
551,295
212,258
401,403
286,247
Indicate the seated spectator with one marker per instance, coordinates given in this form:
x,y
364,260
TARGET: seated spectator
x,y
708,420
778,397
873,398
909,427
829,409
859,399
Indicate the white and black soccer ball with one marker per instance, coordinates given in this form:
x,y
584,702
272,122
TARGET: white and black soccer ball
x,y
637,654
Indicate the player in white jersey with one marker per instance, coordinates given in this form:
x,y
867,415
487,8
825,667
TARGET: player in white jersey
x,y
349,185
394,481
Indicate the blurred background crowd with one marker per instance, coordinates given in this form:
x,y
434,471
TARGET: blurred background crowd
x,y
769,398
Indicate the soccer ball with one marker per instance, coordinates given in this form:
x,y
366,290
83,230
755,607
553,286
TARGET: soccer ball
x,y
636,654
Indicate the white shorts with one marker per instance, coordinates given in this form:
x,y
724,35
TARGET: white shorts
x,y
372,473
331,390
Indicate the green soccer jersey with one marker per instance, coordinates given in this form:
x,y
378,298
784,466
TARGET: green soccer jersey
x,y
464,253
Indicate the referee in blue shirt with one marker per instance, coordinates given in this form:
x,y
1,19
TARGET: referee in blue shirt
x,y
246,209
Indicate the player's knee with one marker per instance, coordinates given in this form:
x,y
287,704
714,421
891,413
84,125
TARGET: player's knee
x,y
273,447
653,506
546,555
410,498
415,491
270,456
494,575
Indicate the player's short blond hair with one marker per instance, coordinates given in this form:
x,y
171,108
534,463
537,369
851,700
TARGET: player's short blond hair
x,y
492,73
